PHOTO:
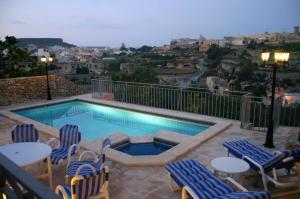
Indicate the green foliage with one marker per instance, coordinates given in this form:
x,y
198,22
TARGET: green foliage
x,y
140,74
132,49
155,56
17,62
252,45
82,70
259,90
292,47
289,82
215,55
144,49
114,66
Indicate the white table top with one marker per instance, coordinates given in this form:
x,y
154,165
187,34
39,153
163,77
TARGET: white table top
x,y
26,153
230,165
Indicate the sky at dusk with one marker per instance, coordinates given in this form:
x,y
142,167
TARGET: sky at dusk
x,y
139,22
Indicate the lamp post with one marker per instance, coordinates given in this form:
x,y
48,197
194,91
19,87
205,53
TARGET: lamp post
x,y
280,58
46,61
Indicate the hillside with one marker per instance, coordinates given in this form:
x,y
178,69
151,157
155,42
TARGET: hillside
x,y
43,42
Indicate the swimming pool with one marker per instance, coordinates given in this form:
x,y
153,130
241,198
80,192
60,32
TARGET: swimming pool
x,y
155,147
98,120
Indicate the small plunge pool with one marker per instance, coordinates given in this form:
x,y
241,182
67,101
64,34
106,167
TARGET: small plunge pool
x,y
147,148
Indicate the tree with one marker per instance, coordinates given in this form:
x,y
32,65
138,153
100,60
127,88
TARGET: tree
x,y
246,73
145,49
215,54
252,45
82,70
123,47
17,62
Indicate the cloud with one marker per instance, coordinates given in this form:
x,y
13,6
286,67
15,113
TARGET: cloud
x,y
19,22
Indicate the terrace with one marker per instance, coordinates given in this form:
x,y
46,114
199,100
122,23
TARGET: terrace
x,y
233,116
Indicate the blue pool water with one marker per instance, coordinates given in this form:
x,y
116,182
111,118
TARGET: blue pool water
x,y
148,148
98,120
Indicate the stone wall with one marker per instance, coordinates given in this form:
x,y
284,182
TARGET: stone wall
x,y
17,90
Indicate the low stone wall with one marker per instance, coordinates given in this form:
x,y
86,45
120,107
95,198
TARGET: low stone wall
x,y
17,90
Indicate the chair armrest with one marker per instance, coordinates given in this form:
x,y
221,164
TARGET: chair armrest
x,y
254,162
53,141
235,184
287,159
277,152
60,190
91,153
71,148
186,192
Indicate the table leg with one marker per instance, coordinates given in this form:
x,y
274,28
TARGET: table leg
x,y
50,171
216,172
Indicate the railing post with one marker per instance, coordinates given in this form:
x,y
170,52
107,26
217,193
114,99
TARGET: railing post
x,y
126,92
180,99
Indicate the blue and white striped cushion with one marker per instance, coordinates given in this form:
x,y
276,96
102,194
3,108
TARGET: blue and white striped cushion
x,y
245,195
72,168
59,154
24,133
192,174
204,184
266,159
68,135
89,186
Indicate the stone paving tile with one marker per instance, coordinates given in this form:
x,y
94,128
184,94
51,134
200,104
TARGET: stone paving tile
x,y
152,182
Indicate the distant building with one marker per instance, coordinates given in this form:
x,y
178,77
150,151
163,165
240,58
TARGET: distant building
x,y
185,43
205,44
296,30
273,37
66,68
42,52
237,40
95,67
164,48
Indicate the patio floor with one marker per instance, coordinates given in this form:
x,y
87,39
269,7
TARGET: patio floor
x,y
152,182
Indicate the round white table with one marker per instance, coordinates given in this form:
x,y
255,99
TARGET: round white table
x,y
229,165
27,153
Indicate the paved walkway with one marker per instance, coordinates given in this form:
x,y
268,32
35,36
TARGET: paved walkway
x,y
152,183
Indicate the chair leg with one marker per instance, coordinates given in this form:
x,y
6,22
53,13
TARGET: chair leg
x,y
106,196
171,186
264,179
184,194
67,180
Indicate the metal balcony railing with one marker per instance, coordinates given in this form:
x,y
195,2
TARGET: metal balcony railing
x,y
252,111
15,183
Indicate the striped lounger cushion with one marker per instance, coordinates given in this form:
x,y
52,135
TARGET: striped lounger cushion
x,y
24,133
68,135
204,184
72,168
86,186
266,159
